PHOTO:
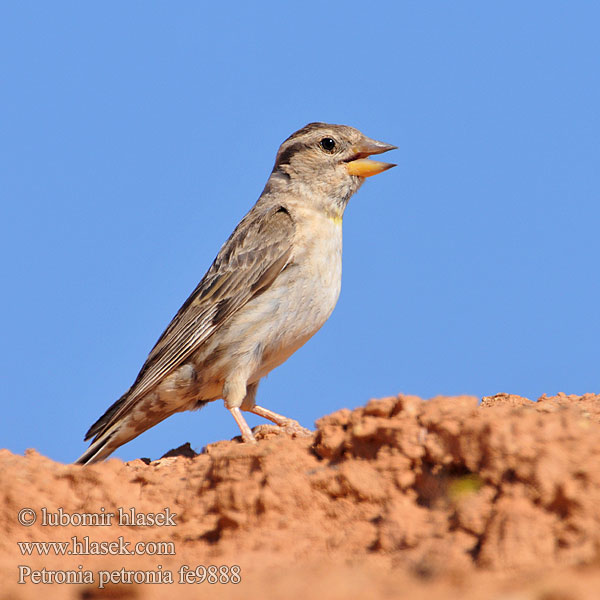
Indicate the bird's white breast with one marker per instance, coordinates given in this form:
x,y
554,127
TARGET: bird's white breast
x,y
274,324
304,295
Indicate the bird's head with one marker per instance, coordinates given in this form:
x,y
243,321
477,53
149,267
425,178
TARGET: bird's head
x,y
326,161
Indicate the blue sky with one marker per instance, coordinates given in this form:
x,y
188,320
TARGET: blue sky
x,y
135,136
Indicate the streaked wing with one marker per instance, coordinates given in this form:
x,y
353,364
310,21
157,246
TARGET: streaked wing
x,y
246,265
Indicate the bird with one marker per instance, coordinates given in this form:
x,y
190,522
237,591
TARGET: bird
x,y
271,287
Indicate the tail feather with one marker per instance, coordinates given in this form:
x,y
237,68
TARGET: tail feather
x,y
104,432
105,421
120,424
98,450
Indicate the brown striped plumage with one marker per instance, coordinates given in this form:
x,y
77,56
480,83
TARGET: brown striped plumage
x,y
271,287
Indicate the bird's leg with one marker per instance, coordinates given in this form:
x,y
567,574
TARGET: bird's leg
x,y
288,425
240,397
234,392
247,434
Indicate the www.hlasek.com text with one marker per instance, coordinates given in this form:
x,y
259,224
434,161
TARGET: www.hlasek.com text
x,y
86,546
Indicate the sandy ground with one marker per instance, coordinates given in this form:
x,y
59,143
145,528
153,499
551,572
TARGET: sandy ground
x,y
401,498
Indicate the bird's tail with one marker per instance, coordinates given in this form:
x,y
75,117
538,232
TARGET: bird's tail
x,y
105,433
127,418
99,449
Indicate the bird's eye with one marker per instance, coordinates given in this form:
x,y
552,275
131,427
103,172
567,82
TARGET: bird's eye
x,y
328,144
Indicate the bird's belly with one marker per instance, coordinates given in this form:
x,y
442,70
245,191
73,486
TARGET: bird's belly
x,y
304,299
291,314
273,325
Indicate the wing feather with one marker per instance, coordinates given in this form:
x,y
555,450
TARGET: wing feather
x,y
247,264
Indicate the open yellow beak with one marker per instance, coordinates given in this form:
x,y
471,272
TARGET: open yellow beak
x,y
362,166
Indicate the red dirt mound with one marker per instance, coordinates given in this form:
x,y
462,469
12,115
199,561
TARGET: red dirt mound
x,y
401,498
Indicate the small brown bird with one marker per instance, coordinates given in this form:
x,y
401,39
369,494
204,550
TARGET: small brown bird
x,y
272,286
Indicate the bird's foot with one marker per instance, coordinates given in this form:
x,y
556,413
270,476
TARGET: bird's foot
x,y
293,428
268,432
289,426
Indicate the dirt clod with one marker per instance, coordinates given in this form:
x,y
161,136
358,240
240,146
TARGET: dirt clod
x,y
439,499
